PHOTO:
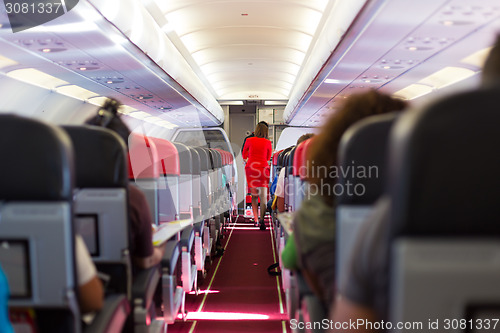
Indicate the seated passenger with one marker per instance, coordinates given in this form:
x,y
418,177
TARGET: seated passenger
x,y
365,292
90,288
280,185
5,325
144,254
312,246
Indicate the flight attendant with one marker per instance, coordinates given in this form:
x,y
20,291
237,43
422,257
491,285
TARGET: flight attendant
x,y
257,152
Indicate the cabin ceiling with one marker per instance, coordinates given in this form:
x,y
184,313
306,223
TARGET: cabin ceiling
x,y
176,61
245,49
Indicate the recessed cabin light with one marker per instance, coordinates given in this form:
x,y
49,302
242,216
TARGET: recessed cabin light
x,y
333,81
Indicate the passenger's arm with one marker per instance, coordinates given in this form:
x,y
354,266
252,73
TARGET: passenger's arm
x,y
344,310
91,295
152,260
90,291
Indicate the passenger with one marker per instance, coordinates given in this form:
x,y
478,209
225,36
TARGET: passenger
x,y
280,185
144,254
312,246
257,151
90,290
366,291
252,135
5,325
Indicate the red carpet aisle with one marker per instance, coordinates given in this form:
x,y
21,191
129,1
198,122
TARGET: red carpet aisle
x,y
241,297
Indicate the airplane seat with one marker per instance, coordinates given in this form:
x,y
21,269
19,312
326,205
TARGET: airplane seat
x,y
298,164
288,180
101,215
363,152
302,188
203,180
285,184
168,187
290,194
144,169
188,259
198,219
274,171
37,232
173,295
185,181
221,199
443,220
205,205
196,176
226,181
101,208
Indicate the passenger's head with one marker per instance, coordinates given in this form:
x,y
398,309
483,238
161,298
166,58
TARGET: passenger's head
x,y
261,130
107,116
322,155
491,68
304,138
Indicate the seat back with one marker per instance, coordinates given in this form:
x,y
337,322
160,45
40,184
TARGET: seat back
x,y
36,229
288,179
168,187
196,176
101,202
185,181
144,169
444,230
204,190
362,165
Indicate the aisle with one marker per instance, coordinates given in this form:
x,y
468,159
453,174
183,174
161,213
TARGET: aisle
x,y
238,295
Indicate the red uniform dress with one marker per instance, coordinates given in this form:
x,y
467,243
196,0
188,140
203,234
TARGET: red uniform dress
x,y
258,151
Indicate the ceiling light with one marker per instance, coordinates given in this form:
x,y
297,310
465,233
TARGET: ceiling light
x,y
36,77
478,58
332,81
275,102
76,92
413,91
4,62
125,109
97,100
447,76
139,115
231,103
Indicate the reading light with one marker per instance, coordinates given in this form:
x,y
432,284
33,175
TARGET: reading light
x,y
413,91
76,92
35,77
447,76
332,81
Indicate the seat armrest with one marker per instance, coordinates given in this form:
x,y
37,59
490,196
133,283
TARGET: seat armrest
x,y
112,316
144,286
171,256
